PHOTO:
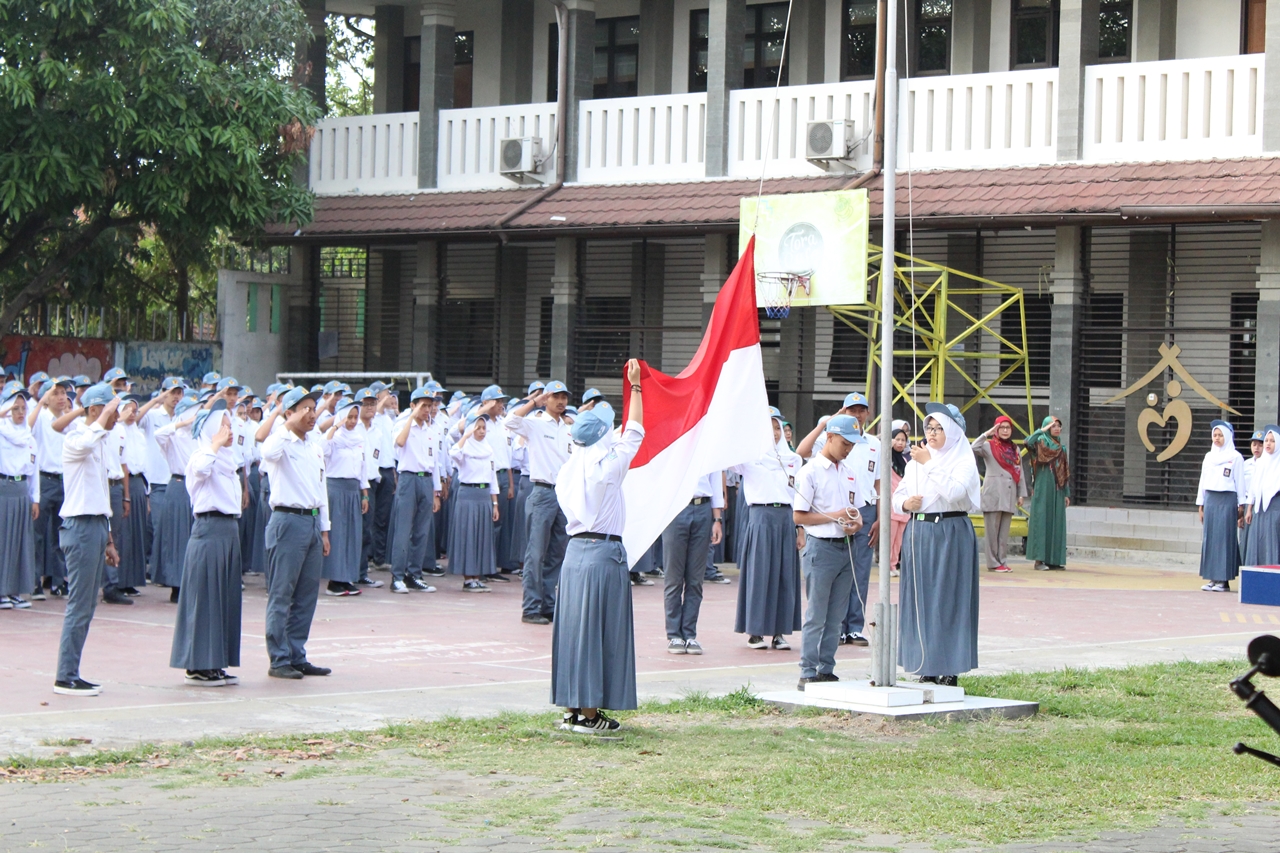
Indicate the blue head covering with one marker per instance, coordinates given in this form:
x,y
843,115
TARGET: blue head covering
x,y
203,417
592,425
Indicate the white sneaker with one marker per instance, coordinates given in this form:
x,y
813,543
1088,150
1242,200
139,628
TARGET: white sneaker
x,y
19,603
5,603
780,643
755,642
676,646
693,647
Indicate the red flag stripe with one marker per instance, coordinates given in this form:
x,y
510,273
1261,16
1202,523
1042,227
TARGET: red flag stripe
x,y
673,405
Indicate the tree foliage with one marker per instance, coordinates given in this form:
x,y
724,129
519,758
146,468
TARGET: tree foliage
x,y
127,119
349,81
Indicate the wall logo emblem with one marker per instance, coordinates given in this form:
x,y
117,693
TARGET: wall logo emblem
x,y
1176,410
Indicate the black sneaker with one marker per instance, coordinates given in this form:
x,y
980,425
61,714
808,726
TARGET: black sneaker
x,y
568,719
115,596
308,668
856,639
76,687
755,641
826,676
370,583
130,590
803,681
60,591
37,594
638,579
474,586
536,619
284,672
949,680
718,578
434,573
500,578
599,724
173,595
204,678
417,585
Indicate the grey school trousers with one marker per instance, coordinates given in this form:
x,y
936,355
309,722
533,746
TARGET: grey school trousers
x,y
828,577
544,552
83,541
684,550
295,556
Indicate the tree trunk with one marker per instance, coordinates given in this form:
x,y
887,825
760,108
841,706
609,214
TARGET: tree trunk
x,y
183,302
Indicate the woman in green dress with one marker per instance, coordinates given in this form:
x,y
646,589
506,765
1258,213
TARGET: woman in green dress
x,y
1051,495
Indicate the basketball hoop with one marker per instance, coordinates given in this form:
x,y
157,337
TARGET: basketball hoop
x,y
777,289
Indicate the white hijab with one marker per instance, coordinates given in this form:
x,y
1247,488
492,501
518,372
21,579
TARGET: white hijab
x,y
1266,474
582,483
954,461
1217,468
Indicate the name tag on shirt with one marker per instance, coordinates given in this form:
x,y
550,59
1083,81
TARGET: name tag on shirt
x,y
1226,472
853,499
33,457
375,454
240,439
791,482
871,466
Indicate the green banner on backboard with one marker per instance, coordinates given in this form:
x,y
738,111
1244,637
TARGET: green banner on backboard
x,y
812,244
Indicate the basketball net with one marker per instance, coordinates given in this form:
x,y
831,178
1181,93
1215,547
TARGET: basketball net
x,y
779,288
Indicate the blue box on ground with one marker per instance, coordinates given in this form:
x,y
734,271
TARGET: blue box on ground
x,y
1260,585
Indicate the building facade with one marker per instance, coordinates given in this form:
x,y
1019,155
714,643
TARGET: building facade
x,y
1113,158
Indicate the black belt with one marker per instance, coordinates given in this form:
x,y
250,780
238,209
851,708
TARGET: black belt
x,y
21,478
213,513
177,476
240,470
833,538
597,537
50,474
475,485
294,510
935,517
116,482
772,504
501,470
417,473
698,501
544,485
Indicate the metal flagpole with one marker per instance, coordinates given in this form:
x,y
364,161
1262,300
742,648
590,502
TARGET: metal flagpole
x,y
884,655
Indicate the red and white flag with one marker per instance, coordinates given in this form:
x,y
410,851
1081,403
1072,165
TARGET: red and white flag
x,y
712,416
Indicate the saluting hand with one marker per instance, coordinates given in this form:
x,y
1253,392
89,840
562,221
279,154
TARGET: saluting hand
x,y
222,438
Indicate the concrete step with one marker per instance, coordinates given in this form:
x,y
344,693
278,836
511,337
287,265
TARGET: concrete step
x,y
1184,533
1164,559
1134,543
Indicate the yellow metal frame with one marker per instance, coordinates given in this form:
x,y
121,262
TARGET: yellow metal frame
x,y
915,281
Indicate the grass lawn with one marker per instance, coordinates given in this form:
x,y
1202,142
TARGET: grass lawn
x,y
1110,749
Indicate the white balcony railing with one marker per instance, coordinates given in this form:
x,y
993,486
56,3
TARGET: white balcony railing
x,y
1180,109
963,121
1133,112
656,138
469,141
366,154
761,123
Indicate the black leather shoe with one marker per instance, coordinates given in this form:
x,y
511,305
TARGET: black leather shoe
x,y
130,590
173,595
284,672
308,668
827,676
115,596
804,681
949,680
536,620
928,679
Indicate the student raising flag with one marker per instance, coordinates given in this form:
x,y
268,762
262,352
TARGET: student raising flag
x,y
710,417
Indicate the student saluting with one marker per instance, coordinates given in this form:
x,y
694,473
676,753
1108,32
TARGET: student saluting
x,y
297,535
206,635
417,493
19,498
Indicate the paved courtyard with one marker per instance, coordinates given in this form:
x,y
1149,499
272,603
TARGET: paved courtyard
x,y
427,656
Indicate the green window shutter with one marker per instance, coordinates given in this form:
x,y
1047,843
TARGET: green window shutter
x,y
251,316
276,293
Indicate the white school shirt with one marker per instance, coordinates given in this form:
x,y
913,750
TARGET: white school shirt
x,y
827,487
295,467
709,487
134,453
475,463
18,454
84,471
48,443
941,491
547,444
177,445
771,478
603,510
113,452
383,441
520,455
1224,476
1247,469
500,440
157,465
344,454
863,462
212,481
421,451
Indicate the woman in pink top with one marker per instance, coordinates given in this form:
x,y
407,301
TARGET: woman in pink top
x,y
899,457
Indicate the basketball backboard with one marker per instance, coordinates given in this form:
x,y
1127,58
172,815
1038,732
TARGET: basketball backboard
x,y
812,244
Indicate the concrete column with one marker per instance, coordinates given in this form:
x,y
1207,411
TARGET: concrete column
x,y
513,272
1077,48
1271,81
715,269
657,20
1148,282
971,36
314,55
427,290
806,54
648,266
726,29
515,75
1267,388
582,58
797,366
1155,32
388,59
435,83
1069,283
565,283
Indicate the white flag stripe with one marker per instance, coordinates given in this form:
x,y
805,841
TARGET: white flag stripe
x,y
735,430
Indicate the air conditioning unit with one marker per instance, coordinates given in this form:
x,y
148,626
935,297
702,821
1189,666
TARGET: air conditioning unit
x,y
520,158
825,141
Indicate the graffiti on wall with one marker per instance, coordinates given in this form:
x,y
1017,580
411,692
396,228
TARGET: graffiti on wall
x,y
24,356
149,363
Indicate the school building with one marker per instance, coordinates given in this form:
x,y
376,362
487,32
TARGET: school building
x,y
1116,159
